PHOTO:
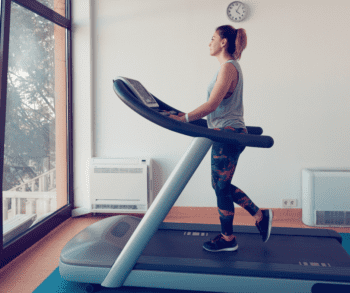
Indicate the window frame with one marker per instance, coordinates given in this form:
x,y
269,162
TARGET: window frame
x,y
34,234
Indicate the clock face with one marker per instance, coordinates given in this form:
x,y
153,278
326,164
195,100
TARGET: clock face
x,y
236,11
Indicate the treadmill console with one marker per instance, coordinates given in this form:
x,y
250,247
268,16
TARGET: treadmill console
x,y
134,95
144,96
139,91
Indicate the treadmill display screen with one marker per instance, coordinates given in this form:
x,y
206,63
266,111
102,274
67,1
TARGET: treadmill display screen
x,y
138,89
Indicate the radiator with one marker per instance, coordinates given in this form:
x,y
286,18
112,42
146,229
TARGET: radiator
x,y
326,197
121,185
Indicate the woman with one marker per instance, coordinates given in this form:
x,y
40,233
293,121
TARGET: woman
x,y
224,108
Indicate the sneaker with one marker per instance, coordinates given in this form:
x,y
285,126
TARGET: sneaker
x,y
220,244
265,224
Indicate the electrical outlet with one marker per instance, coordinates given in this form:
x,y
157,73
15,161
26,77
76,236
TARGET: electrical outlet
x,y
292,203
289,203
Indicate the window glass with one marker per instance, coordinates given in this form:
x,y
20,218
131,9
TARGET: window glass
x,y
35,148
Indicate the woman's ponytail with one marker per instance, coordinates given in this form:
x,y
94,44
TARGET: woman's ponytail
x,y
240,43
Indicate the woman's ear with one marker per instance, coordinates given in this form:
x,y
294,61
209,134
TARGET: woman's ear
x,y
223,42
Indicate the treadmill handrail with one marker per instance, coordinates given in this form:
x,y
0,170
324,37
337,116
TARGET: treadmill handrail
x,y
196,129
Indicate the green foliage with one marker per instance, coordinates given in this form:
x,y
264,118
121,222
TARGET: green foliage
x,y
30,109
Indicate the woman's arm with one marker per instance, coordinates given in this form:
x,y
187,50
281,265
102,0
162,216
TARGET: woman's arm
x,y
227,74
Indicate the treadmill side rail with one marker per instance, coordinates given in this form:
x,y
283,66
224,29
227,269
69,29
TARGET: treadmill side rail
x,y
203,282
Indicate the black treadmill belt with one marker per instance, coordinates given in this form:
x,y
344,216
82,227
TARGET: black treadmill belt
x,y
279,249
184,254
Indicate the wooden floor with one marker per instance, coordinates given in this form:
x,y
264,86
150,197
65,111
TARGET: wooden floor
x,y
25,273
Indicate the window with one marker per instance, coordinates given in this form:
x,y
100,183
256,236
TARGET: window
x,y
36,134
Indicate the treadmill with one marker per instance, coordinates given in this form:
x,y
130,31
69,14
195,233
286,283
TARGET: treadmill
x,y
125,251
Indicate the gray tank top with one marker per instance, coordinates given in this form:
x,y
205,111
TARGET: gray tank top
x,y
230,111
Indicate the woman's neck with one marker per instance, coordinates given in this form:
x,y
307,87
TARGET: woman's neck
x,y
222,58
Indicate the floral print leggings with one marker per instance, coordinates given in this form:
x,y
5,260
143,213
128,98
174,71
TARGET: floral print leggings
x,y
224,159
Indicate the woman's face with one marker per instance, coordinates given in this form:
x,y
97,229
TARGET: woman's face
x,y
215,44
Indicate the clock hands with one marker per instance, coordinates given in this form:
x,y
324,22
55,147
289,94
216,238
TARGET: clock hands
x,y
238,9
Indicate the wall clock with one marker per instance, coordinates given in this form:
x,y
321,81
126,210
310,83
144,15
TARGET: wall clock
x,y
237,11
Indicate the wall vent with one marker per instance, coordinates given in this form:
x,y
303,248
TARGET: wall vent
x,y
326,197
121,185
337,218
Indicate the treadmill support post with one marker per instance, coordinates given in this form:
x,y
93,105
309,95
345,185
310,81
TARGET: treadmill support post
x,y
157,212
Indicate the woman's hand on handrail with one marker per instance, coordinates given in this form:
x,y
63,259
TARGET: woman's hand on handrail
x,y
178,116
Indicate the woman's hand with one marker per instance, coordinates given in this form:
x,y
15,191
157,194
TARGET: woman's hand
x,y
178,117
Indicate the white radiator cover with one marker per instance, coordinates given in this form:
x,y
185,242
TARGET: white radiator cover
x,y
121,185
326,197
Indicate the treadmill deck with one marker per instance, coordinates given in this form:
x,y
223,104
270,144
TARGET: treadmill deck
x,y
175,247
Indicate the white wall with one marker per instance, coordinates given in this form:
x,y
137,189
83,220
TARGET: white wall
x,y
296,87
